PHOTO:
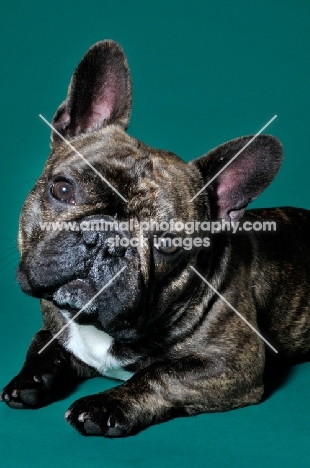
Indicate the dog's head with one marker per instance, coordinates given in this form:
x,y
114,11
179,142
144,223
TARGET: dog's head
x,y
105,176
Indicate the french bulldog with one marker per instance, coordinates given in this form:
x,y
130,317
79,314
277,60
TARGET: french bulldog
x,y
141,311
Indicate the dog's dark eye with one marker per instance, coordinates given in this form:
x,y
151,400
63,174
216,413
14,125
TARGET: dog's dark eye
x,y
168,244
62,190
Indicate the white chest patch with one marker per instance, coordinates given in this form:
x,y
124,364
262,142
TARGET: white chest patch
x,y
92,346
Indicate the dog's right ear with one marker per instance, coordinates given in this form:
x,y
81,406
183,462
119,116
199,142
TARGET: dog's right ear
x,y
99,93
237,180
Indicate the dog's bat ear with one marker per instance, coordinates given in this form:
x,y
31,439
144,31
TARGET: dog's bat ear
x,y
99,93
244,178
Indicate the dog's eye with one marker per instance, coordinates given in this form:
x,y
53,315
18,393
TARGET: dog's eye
x,y
168,244
62,190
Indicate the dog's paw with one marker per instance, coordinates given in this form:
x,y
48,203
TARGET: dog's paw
x,y
99,415
28,390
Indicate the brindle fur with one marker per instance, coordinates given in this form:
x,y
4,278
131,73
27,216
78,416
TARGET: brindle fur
x,y
190,353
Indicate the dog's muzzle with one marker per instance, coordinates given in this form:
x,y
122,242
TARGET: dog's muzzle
x,y
71,267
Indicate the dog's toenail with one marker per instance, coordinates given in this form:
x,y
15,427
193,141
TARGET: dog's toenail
x,y
111,421
67,414
82,417
7,397
15,394
37,378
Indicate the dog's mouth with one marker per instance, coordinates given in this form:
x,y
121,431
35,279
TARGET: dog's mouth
x,y
86,282
76,300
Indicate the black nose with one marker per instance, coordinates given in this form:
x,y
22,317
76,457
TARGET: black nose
x,y
90,237
110,245
116,251
111,242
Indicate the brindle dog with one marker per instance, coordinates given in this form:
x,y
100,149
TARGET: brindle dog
x,y
182,349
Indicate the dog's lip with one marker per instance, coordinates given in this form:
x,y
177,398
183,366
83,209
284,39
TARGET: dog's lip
x,y
64,298
73,285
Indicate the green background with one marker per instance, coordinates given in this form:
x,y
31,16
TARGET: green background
x,y
203,72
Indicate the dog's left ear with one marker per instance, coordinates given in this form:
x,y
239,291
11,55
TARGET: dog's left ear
x,y
244,178
99,93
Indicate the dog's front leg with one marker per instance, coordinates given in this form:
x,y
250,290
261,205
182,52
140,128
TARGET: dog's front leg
x,y
43,375
181,387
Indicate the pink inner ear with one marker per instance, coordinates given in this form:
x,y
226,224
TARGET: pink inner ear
x,y
100,113
104,103
229,189
232,179
227,183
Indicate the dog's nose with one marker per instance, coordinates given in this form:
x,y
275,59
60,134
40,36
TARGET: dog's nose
x,y
90,238
113,249
116,251
102,233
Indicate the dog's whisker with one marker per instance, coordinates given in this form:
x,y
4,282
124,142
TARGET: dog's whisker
x,y
12,248
5,266
26,181
8,238
8,255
